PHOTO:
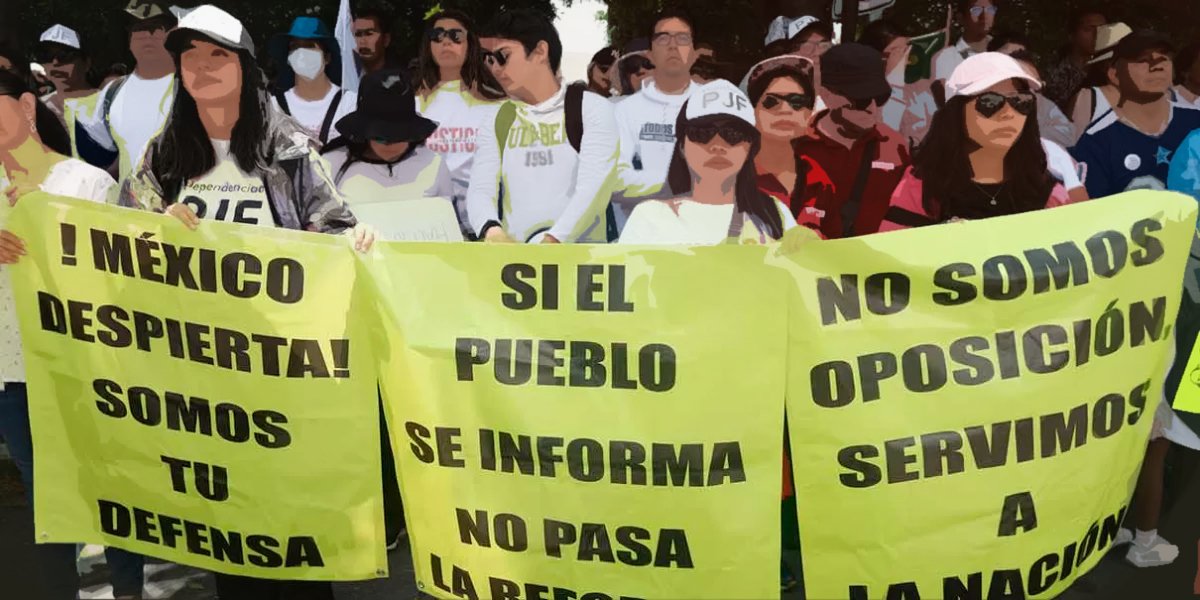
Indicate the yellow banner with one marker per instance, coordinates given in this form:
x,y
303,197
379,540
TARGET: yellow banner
x,y
586,422
204,397
969,404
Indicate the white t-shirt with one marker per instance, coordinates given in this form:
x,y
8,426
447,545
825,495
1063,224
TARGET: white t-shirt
x,y
227,193
948,59
72,178
136,116
388,196
549,188
460,116
312,114
683,221
1061,165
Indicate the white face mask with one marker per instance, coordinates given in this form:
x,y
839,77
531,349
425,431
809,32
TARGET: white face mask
x,y
306,62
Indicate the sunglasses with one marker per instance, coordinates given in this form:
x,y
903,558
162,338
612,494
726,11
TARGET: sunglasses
x,y
59,55
796,101
865,103
496,59
437,34
703,134
991,103
977,11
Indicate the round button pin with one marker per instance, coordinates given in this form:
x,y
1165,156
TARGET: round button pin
x,y
1132,162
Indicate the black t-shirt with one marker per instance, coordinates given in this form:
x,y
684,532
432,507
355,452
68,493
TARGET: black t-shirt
x,y
983,201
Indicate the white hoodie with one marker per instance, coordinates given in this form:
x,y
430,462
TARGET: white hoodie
x,y
646,121
548,187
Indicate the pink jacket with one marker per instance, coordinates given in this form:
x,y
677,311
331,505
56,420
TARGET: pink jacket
x,y
907,209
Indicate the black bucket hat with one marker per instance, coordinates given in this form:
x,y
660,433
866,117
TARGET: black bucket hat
x,y
386,110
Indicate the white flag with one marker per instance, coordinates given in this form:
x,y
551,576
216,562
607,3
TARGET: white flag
x,y
344,32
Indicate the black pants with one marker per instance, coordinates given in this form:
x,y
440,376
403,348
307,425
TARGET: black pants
x,y
231,587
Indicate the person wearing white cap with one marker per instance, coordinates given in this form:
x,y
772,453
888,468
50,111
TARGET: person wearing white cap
x,y
132,109
646,120
1099,93
60,52
977,18
983,155
713,177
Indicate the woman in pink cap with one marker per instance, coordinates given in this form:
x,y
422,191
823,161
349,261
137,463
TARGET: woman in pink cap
x,y
983,156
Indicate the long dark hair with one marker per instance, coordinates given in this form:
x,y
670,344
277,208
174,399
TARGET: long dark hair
x,y
49,128
942,162
748,200
356,151
184,151
475,76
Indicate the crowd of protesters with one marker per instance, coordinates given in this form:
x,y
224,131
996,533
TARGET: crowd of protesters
x,y
655,147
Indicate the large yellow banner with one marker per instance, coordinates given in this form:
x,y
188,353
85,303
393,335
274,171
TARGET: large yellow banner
x,y
206,397
586,422
969,404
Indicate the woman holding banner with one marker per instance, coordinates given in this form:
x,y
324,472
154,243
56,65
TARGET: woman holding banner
x,y
35,156
714,176
983,156
222,136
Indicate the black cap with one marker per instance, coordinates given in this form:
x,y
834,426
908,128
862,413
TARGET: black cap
x,y
1132,45
605,57
855,71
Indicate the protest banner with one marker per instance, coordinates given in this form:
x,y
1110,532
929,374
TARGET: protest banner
x,y
969,404
205,397
585,422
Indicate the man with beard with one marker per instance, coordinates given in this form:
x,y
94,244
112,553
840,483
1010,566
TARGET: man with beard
x,y
60,53
132,109
373,35
1131,146
864,158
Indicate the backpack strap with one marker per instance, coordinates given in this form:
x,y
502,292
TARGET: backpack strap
x,y
283,105
504,123
107,102
327,124
853,204
574,116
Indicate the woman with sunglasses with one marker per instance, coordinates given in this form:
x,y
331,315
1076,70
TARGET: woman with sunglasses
x,y
632,71
783,93
714,179
456,91
983,156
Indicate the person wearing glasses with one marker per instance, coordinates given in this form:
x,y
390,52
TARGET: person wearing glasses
x,y
132,109
646,120
783,93
60,53
864,158
977,18
552,148
983,156
456,91
713,179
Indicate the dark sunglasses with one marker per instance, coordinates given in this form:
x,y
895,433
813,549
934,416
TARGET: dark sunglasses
x,y
497,58
437,34
59,55
796,101
703,134
991,103
865,103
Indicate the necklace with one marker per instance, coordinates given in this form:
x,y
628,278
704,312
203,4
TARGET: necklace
x,y
991,197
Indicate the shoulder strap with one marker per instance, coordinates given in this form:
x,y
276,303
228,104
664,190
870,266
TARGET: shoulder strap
x,y
106,103
852,205
283,105
1095,102
504,122
327,124
574,116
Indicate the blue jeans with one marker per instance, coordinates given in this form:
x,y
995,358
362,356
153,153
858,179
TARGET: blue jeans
x,y
57,561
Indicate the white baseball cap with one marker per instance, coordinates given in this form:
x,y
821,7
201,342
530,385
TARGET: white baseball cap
x,y
719,97
801,24
61,34
980,72
214,23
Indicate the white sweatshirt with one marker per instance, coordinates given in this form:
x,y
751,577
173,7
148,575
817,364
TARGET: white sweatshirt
x,y
548,187
646,121
460,116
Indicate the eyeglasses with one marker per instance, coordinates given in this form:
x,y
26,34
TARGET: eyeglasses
x,y
663,38
57,55
703,134
991,103
796,101
865,103
496,59
977,11
438,34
